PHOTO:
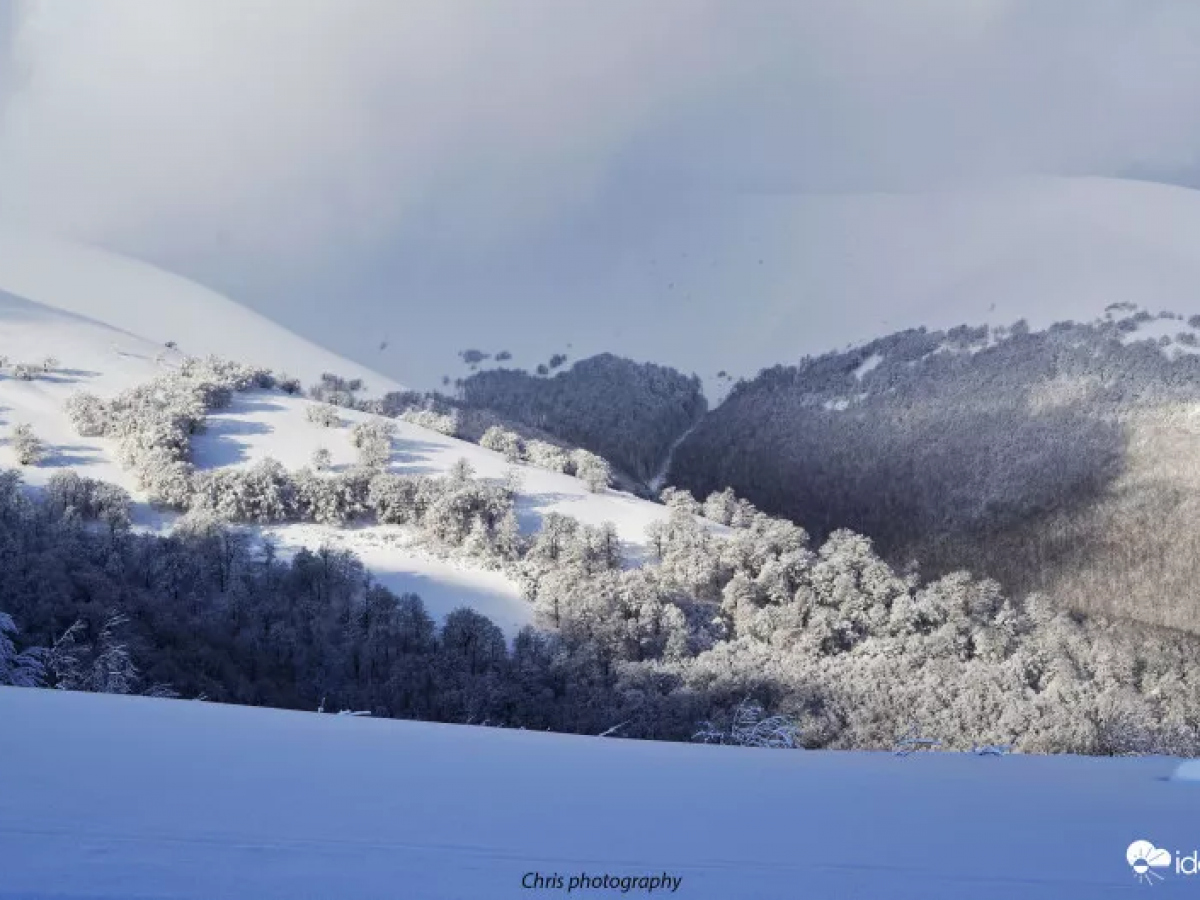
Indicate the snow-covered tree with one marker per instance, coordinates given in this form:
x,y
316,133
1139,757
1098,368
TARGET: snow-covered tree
x,y
27,446
461,471
502,441
752,727
548,456
443,423
592,470
374,442
322,459
103,666
323,415
25,669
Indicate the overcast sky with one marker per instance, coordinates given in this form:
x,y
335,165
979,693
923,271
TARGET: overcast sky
x,y
317,157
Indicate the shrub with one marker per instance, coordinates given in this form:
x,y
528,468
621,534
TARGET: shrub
x,y
323,415
27,446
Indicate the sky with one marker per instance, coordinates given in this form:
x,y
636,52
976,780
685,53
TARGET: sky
x,y
366,169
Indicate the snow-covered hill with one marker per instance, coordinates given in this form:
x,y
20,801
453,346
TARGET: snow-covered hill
x,y
741,283
106,321
157,306
117,797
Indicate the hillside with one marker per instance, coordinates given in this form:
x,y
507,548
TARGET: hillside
x,y
1058,460
157,307
118,797
106,320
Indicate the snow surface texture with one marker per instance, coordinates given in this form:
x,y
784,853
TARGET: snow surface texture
x,y
121,797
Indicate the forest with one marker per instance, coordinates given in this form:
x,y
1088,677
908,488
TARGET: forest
x,y
626,412
1054,461
739,623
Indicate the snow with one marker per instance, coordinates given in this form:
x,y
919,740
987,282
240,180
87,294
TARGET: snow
x,y
1188,771
444,585
260,423
867,365
140,299
122,797
93,357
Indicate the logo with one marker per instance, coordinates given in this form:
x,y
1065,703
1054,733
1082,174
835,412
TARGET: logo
x,y
1143,857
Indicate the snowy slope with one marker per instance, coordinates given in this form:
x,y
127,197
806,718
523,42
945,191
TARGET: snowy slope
x,y
159,307
121,797
267,423
104,319
259,424
749,281
92,356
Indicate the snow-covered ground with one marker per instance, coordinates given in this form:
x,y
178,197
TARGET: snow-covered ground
x,y
402,565
260,423
130,797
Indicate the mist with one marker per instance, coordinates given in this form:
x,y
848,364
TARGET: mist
x,y
366,167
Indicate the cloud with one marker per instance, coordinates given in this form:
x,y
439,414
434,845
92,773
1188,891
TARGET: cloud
x,y
294,131
286,124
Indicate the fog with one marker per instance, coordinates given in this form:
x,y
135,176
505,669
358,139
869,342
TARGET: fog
x,y
362,168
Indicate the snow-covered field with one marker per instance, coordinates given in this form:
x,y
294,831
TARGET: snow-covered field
x,y
131,797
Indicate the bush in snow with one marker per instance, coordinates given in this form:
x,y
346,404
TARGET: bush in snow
x,y
339,391
69,493
443,423
88,413
288,384
545,455
323,415
26,669
49,364
25,371
330,499
507,442
26,445
592,470
374,442
103,666
322,459
399,499
752,727
263,493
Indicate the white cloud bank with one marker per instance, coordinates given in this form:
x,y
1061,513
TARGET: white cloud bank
x,y
293,125
358,167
